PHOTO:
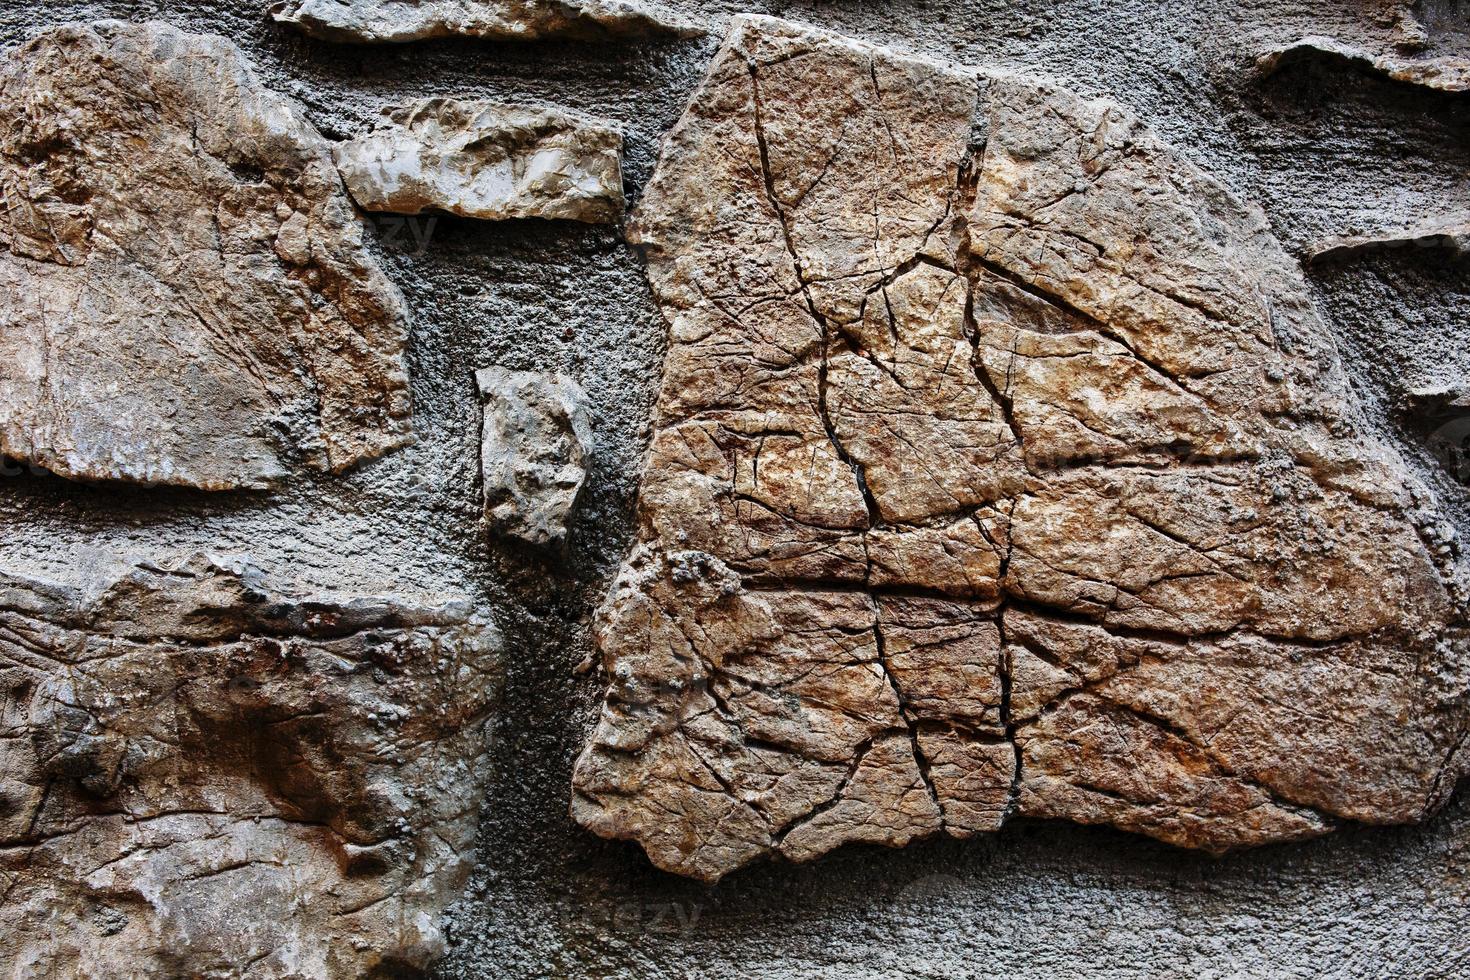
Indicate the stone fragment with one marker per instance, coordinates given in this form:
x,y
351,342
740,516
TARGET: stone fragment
x,y
486,160
763,718
204,774
392,21
1445,74
185,291
1001,466
534,452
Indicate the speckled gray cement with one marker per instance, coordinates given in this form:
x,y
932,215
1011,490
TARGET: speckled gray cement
x,y
1324,149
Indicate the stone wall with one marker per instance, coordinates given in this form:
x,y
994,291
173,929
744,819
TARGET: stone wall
x,y
1344,151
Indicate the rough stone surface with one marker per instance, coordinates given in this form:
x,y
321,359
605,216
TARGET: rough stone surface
x,y
1325,149
379,21
185,293
486,160
205,775
1001,466
534,452
1448,74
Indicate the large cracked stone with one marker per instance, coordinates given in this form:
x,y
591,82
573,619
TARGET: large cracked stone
x,y
205,774
1001,467
486,160
392,21
185,293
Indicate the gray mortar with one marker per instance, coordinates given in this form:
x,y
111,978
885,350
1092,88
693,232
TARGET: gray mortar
x,y
1325,150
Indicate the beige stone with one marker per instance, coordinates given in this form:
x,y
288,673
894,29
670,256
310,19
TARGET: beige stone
x,y
486,160
392,21
186,295
535,448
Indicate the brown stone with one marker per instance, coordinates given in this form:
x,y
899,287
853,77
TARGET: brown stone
x,y
206,774
1001,467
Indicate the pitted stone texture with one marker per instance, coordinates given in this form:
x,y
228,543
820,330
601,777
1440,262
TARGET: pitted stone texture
x,y
387,21
1001,467
486,160
202,775
534,452
186,295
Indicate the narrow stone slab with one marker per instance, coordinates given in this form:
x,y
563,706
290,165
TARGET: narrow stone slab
x,y
486,160
392,21
1445,74
1451,234
202,767
534,452
1001,466
184,289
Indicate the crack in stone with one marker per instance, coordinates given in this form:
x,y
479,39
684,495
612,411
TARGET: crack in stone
x,y
860,756
921,761
874,514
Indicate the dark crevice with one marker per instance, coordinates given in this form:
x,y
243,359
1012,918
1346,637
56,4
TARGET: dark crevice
x,y
861,587
1099,790
1087,319
1001,398
860,755
1007,718
1433,798
726,786
967,183
1061,614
